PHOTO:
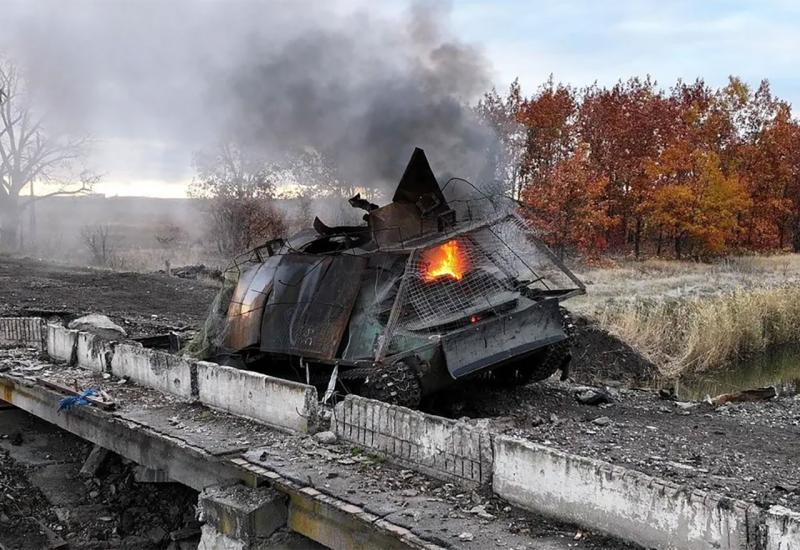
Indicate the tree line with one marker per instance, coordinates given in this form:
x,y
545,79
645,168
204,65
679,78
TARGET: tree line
x,y
634,168
688,171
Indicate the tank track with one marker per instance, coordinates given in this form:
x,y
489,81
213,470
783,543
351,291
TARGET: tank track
x,y
558,355
397,384
545,363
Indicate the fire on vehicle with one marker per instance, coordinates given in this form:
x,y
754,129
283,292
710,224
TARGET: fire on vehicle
x,y
425,294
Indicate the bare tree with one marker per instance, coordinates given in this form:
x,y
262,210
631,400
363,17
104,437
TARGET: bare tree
x,y
98,241
239,192
500,113
29,154
316,174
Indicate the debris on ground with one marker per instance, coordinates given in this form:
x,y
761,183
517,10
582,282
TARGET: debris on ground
x,y
744,396
326,438
41,289
740,449
593,396
46,503
197,271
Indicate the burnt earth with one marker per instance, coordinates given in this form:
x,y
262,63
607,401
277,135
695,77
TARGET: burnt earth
x,y
748,451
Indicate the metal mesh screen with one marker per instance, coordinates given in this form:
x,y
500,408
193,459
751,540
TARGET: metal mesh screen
x,y
492,262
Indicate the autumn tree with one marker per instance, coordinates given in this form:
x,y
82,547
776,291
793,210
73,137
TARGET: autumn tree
x,y
548,118
625,128
568,207
695,203
694,170
237,190
29,153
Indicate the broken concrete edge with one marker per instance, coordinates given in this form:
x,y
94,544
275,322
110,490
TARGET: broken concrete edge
x,y
279,403
94,353
575,485
246,514
28,332
192,466
442,448
621,502
783,529
62,344
328,519
318,516
154,369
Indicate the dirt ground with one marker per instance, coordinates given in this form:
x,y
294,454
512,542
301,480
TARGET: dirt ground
x,y
150,303
142,303
747,451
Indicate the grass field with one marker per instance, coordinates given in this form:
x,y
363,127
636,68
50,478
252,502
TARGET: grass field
x,y
690,317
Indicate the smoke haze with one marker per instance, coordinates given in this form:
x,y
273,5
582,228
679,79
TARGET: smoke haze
x,y
154,81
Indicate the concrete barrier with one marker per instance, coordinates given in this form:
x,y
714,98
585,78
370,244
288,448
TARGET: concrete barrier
x,y
621,502
62,343
154,369
783,529
94,353
22,332
273,401
442,448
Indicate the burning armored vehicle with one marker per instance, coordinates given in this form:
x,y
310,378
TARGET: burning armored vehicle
x,y
424,294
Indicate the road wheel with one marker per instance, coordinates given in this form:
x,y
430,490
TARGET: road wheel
x,y
397,384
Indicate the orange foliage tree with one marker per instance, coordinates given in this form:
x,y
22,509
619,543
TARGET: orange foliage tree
x,y
694,203
692,170
568,206
625,127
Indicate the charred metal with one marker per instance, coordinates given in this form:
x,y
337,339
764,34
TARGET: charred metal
x,y
426,293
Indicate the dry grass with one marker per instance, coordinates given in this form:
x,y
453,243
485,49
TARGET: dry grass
x,y
697,334
689,317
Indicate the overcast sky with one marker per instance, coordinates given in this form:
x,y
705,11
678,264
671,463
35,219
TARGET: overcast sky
x,y
147,148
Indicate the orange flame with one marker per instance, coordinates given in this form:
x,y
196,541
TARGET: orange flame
x,y
447,260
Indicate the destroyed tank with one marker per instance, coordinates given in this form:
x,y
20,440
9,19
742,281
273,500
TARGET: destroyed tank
x,y
425,294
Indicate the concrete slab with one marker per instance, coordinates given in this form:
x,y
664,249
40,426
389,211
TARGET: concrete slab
x,y
783,529
244,514
154,369
274,401
93,352
25,332
331,488
62,343
443,448
614,500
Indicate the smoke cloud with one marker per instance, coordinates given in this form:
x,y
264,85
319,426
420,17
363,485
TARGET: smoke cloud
x,y
154,81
